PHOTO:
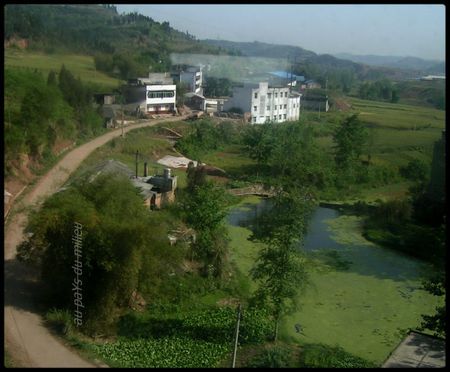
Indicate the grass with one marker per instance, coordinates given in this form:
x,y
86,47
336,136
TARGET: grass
x,y
7,360
232,160
399,132
80,65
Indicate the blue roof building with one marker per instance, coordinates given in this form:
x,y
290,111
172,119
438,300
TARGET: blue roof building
x,y
287,75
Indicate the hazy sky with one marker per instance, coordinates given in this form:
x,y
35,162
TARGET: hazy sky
x,y
397,30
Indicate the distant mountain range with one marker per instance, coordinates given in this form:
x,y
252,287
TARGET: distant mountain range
x,y
409,63
323,61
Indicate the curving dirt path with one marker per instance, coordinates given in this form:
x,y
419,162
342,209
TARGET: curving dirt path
x,y
27,340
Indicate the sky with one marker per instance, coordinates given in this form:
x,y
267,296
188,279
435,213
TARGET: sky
x,y
396,30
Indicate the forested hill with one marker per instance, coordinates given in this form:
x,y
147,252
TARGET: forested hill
x,y
258,49
308,62
93,29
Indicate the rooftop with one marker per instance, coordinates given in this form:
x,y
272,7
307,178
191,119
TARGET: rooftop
x,y
418,350
287,75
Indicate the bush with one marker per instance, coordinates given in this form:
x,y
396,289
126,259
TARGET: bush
x,y
416,170
60,320
324,356
275,357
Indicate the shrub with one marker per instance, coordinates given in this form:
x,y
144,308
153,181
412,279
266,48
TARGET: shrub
x,y
60,320
275,357
324,356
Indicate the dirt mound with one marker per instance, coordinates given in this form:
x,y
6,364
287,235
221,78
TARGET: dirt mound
x,y
16,42
341,105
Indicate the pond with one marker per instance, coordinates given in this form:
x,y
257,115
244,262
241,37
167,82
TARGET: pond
x,y
361,296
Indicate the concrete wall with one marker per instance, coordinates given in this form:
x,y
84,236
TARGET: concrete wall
x,y
242,98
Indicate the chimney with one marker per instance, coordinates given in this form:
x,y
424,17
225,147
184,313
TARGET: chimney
x,y
137,153
145,169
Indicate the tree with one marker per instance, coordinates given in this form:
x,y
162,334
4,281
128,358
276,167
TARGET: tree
x,y
204,208
113,220
349,138
416,170
51,80
436,286
280,267
258,142
296,158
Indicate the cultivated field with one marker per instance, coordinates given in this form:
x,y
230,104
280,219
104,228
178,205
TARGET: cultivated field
x,y
80,65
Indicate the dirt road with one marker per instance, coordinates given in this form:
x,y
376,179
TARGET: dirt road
x,y
27,340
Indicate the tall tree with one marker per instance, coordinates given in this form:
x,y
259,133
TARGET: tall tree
x,y
280,267
349,138
204,207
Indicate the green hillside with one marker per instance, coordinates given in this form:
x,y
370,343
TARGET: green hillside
x,y
136,42
81,65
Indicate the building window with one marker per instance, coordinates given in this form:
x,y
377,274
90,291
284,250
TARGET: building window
x,y
284,116
279,117
267,118
255,108
161,94
285,106
256,95
276,95
268,107
254,119
286,94
269,95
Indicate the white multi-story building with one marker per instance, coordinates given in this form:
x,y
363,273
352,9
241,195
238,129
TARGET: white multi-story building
x,y
266,104
193,78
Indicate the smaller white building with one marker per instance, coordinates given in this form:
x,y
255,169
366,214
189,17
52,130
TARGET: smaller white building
x,y
160,93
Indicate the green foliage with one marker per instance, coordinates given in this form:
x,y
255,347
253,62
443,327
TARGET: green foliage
x,y
114,236
436,322
166,337
273,357
137,42
259,141
295,157
378,90
349,138
61,320
392,224
203,137
324,356
204,209
416,170
279,267
34,123
217,87
165,352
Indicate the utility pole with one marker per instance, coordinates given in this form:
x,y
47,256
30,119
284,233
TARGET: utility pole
x,y
122,121
137,154
236,336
